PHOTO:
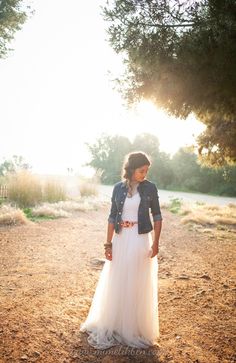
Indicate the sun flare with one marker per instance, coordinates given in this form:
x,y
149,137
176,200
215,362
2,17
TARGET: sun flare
x,y
171,132
62,101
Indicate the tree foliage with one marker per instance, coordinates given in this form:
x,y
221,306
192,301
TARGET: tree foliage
x,y
107,156
13,14
182,56
13,165
180,172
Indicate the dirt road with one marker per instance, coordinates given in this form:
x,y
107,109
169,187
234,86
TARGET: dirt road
x,y
48,279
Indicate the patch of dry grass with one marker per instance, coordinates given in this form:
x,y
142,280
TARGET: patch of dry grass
x,y
28,190
53,191
164,205
185,210
65,208
11,216
211,214
24,189
89,186
49,210
82,204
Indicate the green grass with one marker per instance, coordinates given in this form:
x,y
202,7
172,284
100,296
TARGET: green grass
x,y
175,205
200,203
28,213
2,200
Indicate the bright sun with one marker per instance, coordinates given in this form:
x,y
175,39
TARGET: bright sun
x,y
63,100
171,132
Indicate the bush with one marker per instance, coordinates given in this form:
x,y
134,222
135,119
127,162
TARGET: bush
x,y
88,187
11,216
53,191
24,189
27,190
175,205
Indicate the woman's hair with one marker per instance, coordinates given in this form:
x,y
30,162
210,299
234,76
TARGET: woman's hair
x,y
133,161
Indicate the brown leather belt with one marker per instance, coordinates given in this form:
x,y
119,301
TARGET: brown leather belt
x,y
128,224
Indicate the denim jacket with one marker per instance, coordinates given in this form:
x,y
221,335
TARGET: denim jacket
x,y
149,199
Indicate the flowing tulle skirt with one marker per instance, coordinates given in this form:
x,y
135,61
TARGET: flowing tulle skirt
x,y
124,309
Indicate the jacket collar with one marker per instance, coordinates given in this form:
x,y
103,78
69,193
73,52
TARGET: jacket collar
x,y
141,184
124,185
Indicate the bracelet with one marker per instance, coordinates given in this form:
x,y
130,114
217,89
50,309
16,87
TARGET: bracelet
x,y
108,249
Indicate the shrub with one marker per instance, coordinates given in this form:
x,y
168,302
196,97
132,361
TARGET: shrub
x,y
53,191
11,216
24,189
212,215
175,205
88,187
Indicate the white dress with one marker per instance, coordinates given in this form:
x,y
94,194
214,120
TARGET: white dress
x,y
124,309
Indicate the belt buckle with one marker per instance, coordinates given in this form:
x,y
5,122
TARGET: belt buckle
x,y
127,224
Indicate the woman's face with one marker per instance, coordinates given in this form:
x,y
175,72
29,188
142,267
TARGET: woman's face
x,y
140,173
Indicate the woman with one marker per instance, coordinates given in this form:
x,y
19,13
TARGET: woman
x,y
124,308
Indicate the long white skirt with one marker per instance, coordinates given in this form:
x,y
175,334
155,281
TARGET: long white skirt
x,y
124,309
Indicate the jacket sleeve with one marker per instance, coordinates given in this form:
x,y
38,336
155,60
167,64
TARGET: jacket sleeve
x,y
113,209
155,206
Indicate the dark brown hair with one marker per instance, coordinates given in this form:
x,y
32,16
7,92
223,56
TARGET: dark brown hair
x,y
132,161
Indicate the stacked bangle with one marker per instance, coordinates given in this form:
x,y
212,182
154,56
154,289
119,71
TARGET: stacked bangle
x,y
107,245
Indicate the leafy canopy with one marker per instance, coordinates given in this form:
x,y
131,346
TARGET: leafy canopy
x,y
182,56
180,172
13,14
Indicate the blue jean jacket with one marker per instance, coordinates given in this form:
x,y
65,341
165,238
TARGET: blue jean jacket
x,y
149,199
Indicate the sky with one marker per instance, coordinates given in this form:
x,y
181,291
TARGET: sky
x,y
56,92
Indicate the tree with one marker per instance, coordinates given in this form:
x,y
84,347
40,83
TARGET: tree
x,y
181,172
186,170
12,16
13,165
147,143
160,170
182,56
108,154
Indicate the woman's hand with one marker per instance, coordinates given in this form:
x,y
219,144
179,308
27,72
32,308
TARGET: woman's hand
x,y
155,249
108,253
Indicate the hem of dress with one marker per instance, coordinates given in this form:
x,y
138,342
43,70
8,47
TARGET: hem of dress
x,y
117,339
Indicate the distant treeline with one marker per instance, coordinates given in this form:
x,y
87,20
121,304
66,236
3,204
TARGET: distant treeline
x,y
182,171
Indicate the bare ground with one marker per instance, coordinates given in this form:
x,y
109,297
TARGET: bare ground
x,y
47,282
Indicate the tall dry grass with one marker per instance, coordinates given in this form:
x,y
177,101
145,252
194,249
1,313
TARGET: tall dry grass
x,y
66,208
89,186
27,190
11,216
210,214
24,189
47,196
53,191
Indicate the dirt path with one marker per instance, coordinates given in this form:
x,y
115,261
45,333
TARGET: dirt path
x,y
47,282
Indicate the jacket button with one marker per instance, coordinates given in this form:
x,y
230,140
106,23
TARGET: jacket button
x,y
119,212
